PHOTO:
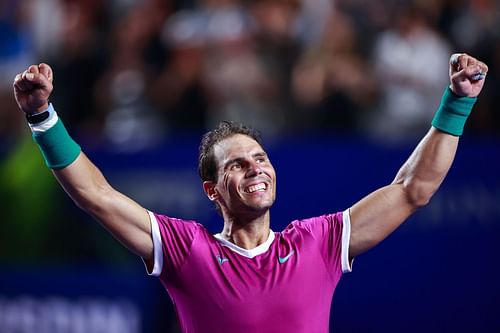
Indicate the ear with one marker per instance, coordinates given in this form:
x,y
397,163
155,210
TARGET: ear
x,y
210,190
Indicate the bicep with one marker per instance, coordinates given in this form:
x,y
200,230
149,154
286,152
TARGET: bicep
x,y
376,216
127,221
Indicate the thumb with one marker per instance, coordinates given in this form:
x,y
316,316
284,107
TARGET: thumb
x,y
471,73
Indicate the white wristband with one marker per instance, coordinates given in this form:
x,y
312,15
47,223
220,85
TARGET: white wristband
x,y
47,123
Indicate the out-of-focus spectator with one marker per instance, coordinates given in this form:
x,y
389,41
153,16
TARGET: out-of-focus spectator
x,y
179,90
47,21
242,85
332,82
220,69
277,48
78,60
313,20
411,60
473,22
130,121
16,50
148,67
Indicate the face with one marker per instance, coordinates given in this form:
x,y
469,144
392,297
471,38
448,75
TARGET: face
x,y
246,183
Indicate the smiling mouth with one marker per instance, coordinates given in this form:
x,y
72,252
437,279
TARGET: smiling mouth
x,y
256,188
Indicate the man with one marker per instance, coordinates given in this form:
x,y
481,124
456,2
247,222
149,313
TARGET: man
x,y
248,278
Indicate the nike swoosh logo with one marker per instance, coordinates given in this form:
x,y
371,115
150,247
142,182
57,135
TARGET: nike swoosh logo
x,y
222,260
284,259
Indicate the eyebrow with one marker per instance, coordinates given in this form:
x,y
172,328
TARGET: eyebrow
x,y
239,159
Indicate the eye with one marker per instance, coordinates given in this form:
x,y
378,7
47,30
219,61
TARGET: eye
x,y
235,166
261,159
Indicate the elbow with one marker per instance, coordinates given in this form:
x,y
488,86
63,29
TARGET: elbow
x,y
419,193
86,203
92,200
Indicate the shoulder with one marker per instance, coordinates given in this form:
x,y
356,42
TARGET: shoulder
x,y
174,225
318,226
312,222
165,219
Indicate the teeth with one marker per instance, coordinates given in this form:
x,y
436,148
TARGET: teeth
x,y
255,188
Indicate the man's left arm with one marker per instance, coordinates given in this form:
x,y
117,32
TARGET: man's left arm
x,y
377,215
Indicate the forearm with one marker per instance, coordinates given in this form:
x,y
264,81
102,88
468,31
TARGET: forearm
x,y
88,188
76,173
84,183
125,219
426,168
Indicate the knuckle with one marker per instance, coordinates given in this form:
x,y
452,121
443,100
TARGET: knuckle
x,y
454,59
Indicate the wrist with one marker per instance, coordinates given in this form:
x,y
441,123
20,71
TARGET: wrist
x,y
37,110
41,122
453,112
42,108
58,148
450,87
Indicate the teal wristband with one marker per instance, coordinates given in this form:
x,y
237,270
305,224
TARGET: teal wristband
x,y
58,148
453,113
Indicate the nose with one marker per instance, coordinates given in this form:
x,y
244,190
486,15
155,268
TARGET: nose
x,y
254,169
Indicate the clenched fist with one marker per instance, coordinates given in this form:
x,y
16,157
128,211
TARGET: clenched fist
x,y
467,75
33,87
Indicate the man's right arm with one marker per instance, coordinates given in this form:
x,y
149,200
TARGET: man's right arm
x,y
125,219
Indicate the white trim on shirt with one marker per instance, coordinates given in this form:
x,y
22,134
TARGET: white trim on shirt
x,y
157,248
346,235
262,248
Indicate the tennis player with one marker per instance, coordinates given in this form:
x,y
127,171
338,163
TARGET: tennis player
x,y
249,278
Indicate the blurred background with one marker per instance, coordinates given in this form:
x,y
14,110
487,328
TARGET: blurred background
x,y
341,91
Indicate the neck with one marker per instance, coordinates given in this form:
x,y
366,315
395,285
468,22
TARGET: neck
x,y
247,234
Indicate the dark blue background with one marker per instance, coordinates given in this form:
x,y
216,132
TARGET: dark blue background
x,y
437,273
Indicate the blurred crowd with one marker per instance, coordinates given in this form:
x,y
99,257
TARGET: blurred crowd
x,y
129,73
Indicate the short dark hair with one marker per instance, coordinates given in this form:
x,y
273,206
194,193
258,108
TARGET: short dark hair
x,y
207,166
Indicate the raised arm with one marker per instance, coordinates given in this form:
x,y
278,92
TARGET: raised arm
x,y
125,219
381,212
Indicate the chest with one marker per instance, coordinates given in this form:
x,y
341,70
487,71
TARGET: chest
x,y
282,275
288,288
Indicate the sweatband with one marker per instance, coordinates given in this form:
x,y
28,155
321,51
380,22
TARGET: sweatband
x,y
47,123
58,149
453,112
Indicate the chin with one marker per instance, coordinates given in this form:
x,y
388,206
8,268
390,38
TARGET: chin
x,y
262,206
